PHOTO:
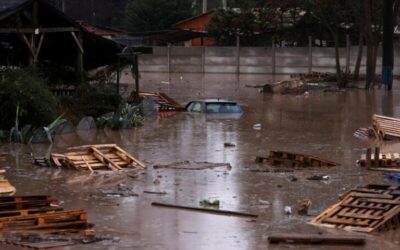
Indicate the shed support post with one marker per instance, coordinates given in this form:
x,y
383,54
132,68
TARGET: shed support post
x,y
79,59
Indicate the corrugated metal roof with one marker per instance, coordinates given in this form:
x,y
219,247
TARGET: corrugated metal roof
x,y
10,4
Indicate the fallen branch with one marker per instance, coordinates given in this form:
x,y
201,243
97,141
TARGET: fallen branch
x,y
201,209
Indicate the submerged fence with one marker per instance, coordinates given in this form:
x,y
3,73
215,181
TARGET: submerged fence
x,y
250,60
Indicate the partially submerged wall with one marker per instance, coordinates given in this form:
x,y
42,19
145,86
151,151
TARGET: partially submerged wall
x,y
249,60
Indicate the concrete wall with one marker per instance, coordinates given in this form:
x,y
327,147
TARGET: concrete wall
x,y
259,60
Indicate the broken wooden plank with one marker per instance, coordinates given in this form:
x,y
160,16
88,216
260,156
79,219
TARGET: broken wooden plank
x,y
202,209
316,239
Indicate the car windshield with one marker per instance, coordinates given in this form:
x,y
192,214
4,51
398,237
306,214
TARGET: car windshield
x,y
218,107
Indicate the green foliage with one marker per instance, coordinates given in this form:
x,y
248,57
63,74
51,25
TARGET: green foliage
x,y
154,15
209,203
29,92
126,116
91,101
249,23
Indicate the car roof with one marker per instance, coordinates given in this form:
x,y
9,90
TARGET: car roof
x,y
214,101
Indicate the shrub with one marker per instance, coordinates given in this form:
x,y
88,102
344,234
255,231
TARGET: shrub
x,y
25,89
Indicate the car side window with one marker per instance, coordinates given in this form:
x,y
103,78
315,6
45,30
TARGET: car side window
x,y
195,107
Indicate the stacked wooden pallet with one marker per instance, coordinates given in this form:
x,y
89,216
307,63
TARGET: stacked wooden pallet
x,y
38,212
367,209
386,127
96,157
288,159
35,215
165,102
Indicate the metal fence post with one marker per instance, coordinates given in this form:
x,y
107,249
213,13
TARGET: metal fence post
x,y
237,52
347,53
169,58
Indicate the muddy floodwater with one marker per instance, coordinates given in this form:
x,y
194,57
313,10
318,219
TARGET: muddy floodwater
x,y
318,123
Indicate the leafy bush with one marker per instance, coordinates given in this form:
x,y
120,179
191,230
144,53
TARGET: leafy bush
x,y
29,92
91,101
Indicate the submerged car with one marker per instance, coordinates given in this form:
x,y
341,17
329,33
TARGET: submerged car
x,y
214,106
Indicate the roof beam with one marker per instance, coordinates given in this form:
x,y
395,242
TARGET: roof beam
x,y
39,30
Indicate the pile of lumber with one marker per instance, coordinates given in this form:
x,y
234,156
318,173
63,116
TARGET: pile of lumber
x,y
366,209
386,127
380,161
289,159
285,87
96,157
41,214
5,187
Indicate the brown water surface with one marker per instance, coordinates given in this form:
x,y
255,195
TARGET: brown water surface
x,y
320,123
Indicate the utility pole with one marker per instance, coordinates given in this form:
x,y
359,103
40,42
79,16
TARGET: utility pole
x,y
387,44
204,6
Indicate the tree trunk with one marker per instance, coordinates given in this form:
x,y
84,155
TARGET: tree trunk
x,y
370,56
359,57
338,69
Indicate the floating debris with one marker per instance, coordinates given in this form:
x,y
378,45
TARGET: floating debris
x,y
296,238
366,209
97,157
288,159
187,165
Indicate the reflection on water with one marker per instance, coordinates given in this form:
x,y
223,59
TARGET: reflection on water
x,y
320,124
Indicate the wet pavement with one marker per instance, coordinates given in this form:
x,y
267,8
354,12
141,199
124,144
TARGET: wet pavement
x,y
320,124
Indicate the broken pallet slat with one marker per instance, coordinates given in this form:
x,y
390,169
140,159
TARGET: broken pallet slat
x,y
277,158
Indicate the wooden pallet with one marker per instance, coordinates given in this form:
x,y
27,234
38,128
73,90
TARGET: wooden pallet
x,y
367,209
386,127
164,102
288,159
97,157
26,202
380,161
26,212
49,220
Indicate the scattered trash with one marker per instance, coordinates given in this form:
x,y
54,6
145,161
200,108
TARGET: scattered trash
x,y
187,165
392,176
257,126
296,238
209,203
264,202
288,210
288,159
292,178
318,177
228,144
365,209
97,157
156,181
5,187
304,206
203,209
